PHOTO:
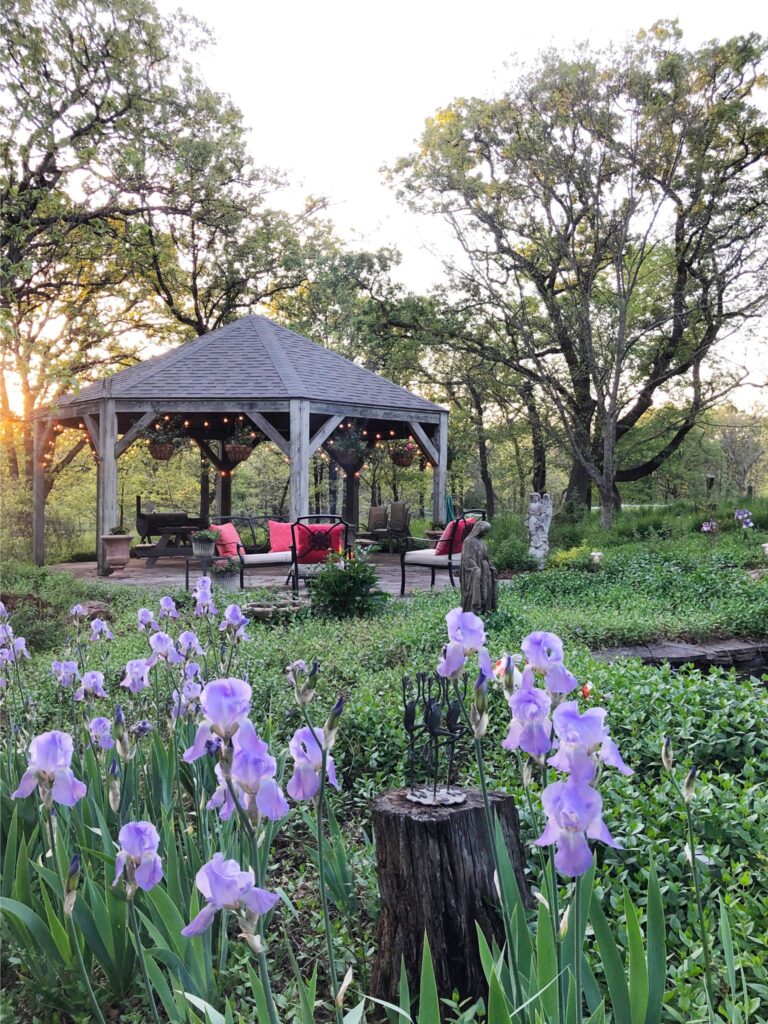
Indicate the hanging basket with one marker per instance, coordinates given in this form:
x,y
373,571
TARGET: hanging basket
x,y
237,452
402,458
352,461
161,450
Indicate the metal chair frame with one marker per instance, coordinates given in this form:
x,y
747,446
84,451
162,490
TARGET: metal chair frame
x,y
319,540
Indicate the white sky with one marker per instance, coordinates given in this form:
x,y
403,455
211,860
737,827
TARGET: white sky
x,y
334,90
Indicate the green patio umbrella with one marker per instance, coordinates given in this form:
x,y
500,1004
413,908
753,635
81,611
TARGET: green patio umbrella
x,y
450,511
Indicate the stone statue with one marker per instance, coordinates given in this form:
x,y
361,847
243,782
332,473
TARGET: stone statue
x,y
538,521
477,577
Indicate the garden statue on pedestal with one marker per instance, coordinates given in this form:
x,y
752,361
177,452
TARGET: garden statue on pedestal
x,y
477,576
538,521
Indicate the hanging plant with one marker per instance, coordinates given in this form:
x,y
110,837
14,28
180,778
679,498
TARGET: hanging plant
x,y
165,437
403,453
349,447
241,442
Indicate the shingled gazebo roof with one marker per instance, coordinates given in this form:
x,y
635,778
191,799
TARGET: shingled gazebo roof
x,y
252,357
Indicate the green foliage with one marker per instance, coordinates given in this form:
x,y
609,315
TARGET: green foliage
x,y
508,544
346,587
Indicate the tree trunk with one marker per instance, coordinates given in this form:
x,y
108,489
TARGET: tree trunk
x,y
435,870
333,489
579,489
539,481
482,451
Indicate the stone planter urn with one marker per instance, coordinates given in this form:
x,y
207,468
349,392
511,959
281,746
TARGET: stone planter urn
x,y
117,549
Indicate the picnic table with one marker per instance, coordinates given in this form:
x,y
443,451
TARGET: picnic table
x,y
174,540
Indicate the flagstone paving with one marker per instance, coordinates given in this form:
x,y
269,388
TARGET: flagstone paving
x,y
169,572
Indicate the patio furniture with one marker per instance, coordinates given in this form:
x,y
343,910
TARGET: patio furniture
x,y
398,530
447,553
377,520
277,550
313,538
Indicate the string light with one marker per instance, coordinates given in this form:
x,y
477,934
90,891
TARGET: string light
x,y
186,423
167,418
226,419
205,423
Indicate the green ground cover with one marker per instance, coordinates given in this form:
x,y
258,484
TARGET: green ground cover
x,y
683,587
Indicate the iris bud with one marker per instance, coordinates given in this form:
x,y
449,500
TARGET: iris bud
x,y
689,786
331,726
70,886
667,758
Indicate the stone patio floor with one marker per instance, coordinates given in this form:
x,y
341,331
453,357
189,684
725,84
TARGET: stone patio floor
x,y
169,572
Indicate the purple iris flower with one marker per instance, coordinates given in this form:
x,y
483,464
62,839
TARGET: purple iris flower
x,y
141,728
138,857
6,633
65,673
137,675
485,665
558,679
225,703
99,630
78,611
253,776
574,813
584,740
186,701
234,621
100,730
542,650
50,757
465,628
530,729
163,647
203,597
146,619
306,748
168,609
17,648
91,682
224,885
453,660
189,644
4,614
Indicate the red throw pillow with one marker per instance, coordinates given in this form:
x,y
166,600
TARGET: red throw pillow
x,y
229,538
452,538
316,548
279,536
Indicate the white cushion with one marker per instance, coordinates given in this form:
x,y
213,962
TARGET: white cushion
x,y
268,558
427,557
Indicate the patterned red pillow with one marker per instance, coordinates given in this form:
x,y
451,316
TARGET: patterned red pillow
x,y
315,540
452,538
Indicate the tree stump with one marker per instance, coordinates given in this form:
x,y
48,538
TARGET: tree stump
x,y
435,871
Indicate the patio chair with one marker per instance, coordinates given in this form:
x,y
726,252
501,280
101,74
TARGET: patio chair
x,y
378,519
398,531
313,538
444,555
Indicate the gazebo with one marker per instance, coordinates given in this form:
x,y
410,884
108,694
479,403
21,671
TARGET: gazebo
x,y
295,392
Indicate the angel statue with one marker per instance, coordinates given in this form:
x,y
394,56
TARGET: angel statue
x,y
538,521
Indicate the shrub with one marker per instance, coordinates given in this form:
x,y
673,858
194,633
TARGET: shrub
x,y
346,587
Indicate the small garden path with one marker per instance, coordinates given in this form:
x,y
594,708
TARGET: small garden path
x,y
748,657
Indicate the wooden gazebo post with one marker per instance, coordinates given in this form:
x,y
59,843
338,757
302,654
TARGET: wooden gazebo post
x,y
106,479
